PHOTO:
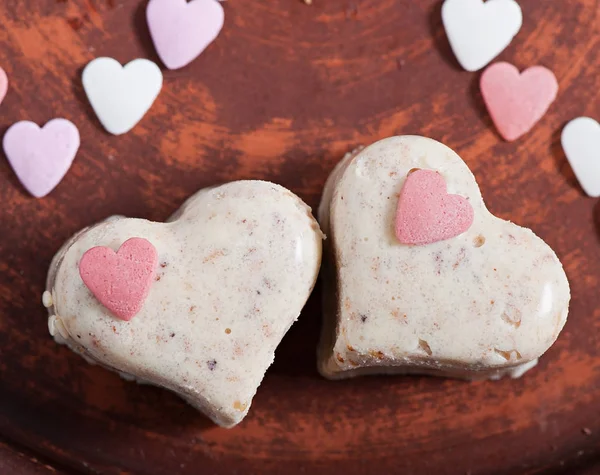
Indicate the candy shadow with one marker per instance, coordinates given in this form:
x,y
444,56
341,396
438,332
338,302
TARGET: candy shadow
x,y
596,217
7,171
476,100
85,433
79,93
440,40
296,355
140,26
560,159
304,173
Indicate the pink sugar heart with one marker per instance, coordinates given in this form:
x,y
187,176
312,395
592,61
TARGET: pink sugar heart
x,y
3,84
41,157
181,30
427,213
120,280
516,101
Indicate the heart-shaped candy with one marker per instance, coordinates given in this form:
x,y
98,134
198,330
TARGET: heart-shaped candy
x,y
182,30
41,157
478,31
121,95
516,102
3,84
581,142
427,213
120,280
235,266
483,304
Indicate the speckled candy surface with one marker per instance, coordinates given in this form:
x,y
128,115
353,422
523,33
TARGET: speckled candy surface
x,y
235,266
486,303
120,280
517,101
427,213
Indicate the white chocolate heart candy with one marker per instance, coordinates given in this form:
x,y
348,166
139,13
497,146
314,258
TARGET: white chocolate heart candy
x,y
483,304
235,266
479,31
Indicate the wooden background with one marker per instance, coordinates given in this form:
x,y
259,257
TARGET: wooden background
x,y
281,95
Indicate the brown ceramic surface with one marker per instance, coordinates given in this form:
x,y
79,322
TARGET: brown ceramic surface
x,y
286,90
14,462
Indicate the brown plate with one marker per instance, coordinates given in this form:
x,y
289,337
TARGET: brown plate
x,y
281,95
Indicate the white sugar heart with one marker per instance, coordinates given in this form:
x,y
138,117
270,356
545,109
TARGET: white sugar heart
x,y
478,31
3,84
581,143
483,304
121,95
235,266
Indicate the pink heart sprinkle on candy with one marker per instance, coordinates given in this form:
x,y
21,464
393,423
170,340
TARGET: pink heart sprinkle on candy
x,y
120,280
427,213
181,30
517,101
3,84
41,157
